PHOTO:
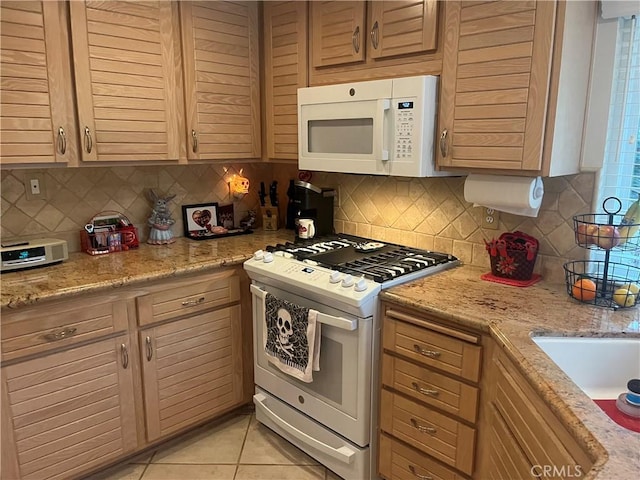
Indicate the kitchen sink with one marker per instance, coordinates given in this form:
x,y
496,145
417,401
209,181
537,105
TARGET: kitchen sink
x,y
601,367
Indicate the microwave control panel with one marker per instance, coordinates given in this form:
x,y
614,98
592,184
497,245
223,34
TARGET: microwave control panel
x,y
405,124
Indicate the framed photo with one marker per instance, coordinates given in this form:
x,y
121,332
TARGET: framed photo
x,y
199,219
225,216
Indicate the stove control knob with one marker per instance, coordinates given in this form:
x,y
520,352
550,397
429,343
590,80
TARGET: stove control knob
x,y
335,277
361,285
347,281
258,255
268,257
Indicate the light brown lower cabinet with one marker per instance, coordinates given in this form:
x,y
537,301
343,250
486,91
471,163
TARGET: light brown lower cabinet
x,y
93,379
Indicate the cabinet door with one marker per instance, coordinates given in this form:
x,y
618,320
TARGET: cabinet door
x,y
128,83
401,27
68,412
37,124
338,33
285,65
495,80
192,370
221,61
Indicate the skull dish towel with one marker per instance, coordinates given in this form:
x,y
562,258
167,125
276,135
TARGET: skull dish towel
x,y
292,338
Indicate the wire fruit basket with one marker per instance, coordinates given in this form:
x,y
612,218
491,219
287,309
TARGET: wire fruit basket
x,y
602,282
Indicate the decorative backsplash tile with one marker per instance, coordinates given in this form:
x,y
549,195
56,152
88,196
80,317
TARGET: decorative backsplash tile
x,y
424,212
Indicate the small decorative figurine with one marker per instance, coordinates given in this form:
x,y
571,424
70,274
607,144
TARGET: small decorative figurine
x,y
239,186
160,220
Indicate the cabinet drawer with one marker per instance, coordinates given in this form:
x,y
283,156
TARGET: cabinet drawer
x,y
188,297
428,347
43,328
399,462
425,385
542,437
440,436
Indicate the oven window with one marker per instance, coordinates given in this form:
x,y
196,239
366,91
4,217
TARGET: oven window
x,y
328,381
349,135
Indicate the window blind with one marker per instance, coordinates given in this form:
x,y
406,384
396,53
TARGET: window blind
x,y
620,175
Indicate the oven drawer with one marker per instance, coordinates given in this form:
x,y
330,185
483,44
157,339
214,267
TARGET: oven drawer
x,y
188,296
442,437
452,351
425,385
397,460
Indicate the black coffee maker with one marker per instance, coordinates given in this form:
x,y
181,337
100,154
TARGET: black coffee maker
x,y
308,201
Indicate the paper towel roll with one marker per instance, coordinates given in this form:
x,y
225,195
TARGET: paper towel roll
x,y
511,194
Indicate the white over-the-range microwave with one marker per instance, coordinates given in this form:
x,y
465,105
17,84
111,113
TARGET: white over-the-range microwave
x,y
379,127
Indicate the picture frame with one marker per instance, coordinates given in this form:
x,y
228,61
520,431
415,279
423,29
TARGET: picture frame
x,y
226,216
199,219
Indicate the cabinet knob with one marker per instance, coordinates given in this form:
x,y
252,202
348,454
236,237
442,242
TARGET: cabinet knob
x,y
149,346
194,141
375,35
355,39
125,356
444,144
88,141
62,141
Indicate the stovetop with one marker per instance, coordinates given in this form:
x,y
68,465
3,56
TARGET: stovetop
x,y
381,262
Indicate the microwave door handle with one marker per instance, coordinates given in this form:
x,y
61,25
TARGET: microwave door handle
x,y
331,320
383,104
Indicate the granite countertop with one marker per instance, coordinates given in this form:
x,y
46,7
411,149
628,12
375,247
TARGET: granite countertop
x,y
83,273
511,315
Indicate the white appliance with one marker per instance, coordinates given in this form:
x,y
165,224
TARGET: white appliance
x,y
20,255
379,127
333,418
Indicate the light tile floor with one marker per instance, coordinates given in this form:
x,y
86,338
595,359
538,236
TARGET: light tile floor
x,y
236,448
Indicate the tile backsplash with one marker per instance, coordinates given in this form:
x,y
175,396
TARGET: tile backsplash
x,y
423,212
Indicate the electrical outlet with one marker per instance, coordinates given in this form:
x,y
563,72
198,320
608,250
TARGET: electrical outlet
x,y
34,187
490,218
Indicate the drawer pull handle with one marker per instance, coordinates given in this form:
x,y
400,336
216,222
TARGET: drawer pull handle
x,y
125,356
149,348
62,141
193,303
424,391
194,141
425,352
422,428
412,469
355,39
88,141
60,334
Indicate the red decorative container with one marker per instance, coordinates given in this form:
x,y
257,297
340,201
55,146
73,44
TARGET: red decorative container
x,y
513,255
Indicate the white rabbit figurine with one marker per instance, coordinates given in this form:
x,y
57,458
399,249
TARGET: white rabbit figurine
x,y
160,220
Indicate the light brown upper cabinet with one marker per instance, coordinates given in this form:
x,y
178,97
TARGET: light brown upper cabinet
x,y
285,70
361,40
222,82
37,122
128,82
514,86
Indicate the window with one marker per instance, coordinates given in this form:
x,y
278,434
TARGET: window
x,y
620,175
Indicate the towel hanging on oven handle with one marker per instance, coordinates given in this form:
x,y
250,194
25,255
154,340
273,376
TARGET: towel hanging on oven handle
x,y
333,321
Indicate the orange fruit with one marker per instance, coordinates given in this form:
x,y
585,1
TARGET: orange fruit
x,y
584,289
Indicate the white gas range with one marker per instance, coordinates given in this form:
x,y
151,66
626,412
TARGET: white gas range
x,y
331,418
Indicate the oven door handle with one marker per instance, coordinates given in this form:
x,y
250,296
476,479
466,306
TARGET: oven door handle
x,y
343,454
331,320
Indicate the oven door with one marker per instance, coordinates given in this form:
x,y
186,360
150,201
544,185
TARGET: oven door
x,y
340,395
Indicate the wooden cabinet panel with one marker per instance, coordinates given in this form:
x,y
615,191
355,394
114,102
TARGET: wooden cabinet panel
x,y
285,70
188,296
70,411
402,27
338,32
514,86
400,462
36,111
425,385
442,437
35,330
431,348
221,61
128,82
192,370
